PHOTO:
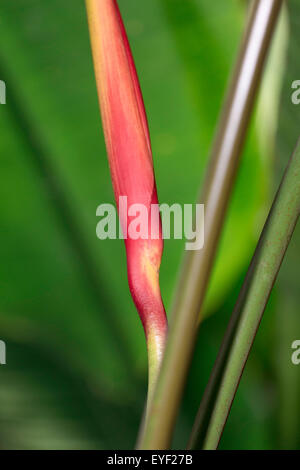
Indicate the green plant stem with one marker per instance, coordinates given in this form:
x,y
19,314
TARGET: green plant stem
x,y
250,306
157,433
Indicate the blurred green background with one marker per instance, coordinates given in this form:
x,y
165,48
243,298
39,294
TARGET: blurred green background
x,y
76,372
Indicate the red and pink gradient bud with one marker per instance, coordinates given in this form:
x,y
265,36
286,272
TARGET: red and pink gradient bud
x,y
130,159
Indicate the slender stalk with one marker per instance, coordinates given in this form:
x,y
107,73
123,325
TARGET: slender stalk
x,y
218,184
251,302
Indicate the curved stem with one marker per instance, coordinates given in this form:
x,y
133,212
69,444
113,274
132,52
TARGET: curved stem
x,y
220,179
249,308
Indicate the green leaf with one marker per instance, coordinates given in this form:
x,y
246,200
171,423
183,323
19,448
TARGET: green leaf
x,y
56,277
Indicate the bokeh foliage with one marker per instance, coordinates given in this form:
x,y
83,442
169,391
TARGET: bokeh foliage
x,y
76,360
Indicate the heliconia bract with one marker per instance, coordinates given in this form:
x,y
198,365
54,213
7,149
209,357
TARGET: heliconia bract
x,y
130,160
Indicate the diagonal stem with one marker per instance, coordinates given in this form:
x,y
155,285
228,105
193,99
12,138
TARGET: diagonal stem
x,y
228,145
247,314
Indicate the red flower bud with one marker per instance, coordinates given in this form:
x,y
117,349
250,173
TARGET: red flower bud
x,y
130,160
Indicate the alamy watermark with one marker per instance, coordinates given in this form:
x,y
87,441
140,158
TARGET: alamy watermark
x,y
2,353
296,354
137,221
296,94
2,92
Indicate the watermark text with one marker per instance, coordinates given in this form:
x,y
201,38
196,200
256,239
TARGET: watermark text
x,y
296,354
2,92
296,94
2,353
138,221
